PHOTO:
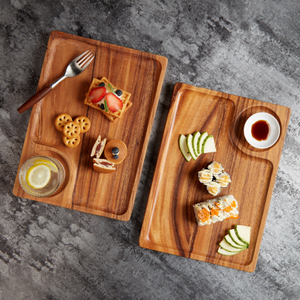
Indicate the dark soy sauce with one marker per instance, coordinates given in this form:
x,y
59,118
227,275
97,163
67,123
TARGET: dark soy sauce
x,y
260,130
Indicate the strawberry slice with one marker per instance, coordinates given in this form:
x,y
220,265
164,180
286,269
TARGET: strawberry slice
x,y
97,94
113,102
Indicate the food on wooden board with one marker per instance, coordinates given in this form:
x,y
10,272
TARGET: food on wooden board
x,y
208,145
115,151
98,147
84,122
107,98
205,176
71,129
193,145
38,175
42,175
50,164
183,148
71,142
200,141
213,188
196,137
103,165
214,178
61,120
223,179
243,233
215,167
237,240
216,210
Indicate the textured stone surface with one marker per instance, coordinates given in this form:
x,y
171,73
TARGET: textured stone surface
x,y
247,48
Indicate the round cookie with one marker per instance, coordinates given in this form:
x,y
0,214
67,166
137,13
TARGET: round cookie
x,y
71,142
84,122
108,151
61,120
71,129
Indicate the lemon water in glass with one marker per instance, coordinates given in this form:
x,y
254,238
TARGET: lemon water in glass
x,y
41,176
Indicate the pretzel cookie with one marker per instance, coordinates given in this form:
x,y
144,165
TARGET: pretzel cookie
x,y
71,129
71,142
84,123
61,120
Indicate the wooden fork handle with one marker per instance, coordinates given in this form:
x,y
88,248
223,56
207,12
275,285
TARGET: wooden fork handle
x,y
34,99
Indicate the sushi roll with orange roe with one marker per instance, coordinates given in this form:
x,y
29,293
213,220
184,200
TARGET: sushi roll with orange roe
x,y
214,178
216,210
223,179
213,188
215,167
205,176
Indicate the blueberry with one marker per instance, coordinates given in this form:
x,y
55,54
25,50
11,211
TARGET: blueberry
x,y
115,151
102,106
119,92
101,84
116,156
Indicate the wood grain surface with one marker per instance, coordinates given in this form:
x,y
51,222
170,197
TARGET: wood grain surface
x,y
169,224
137,72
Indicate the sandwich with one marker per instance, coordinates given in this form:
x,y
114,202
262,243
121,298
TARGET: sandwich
x,y
103,165
98,147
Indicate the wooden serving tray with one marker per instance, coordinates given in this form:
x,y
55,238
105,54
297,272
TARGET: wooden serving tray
x,y
169,224
139,73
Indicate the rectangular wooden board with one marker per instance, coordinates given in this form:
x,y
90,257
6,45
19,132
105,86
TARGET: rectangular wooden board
x,y
169,224
137,72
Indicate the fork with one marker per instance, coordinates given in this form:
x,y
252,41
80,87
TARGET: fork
x,y
76,66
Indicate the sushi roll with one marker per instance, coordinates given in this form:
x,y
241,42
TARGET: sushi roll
x,y
223,179
216,168
216,210
213,188
205,176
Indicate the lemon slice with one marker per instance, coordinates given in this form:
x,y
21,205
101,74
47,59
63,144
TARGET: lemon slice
x,y
52,166
38,176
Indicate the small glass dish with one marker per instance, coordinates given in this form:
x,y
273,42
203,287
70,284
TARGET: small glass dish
x,y
56,179
273,135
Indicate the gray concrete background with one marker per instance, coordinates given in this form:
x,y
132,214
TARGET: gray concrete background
x,y
246,48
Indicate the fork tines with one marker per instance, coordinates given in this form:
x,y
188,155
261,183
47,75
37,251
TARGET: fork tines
x,y
84,59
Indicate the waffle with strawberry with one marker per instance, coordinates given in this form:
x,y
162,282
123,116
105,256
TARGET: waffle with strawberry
x,y
107,98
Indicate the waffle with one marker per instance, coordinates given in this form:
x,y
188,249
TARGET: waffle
x,y
112,116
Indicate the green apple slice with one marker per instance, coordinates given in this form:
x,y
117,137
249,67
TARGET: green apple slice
x,y
243,233
183,147
225,252
235,238
189,143
228,247
196,137
208,145
200,141
232,243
